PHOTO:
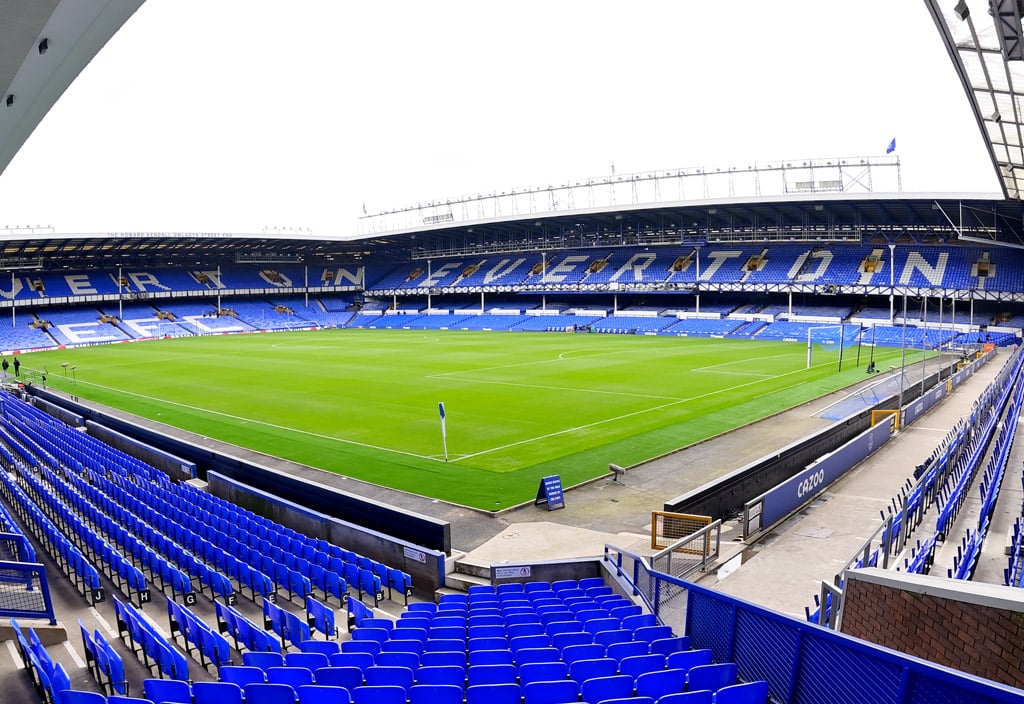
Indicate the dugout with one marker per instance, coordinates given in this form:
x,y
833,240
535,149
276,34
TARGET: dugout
x,y
724,497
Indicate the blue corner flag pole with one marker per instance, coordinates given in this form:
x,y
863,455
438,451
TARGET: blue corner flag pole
x,y
444,431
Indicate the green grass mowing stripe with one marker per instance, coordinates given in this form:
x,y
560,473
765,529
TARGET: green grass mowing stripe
x,y
364,403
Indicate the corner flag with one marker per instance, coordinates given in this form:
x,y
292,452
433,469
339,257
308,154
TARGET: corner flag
x,y
892,146
444,430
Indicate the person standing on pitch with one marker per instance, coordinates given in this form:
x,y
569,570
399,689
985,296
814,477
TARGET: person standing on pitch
x,y
17,367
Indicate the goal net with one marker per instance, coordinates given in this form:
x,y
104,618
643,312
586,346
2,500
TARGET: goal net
x,y
831,338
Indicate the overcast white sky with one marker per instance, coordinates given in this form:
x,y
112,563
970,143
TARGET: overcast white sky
x,y
235,115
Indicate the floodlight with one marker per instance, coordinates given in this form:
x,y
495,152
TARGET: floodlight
x,y
961,10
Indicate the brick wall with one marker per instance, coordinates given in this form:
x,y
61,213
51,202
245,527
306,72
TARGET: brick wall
x,y
981,639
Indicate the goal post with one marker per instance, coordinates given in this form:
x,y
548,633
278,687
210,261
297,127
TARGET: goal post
x,y
832,337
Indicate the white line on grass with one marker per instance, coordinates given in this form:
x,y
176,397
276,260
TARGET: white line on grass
x,y
713,368
555,388
626,415
258,422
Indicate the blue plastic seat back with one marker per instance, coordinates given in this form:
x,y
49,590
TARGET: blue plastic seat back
x,y
542,672
492,674
400,658
351,659
583,670
379,694
601,688
326,647
621,651
217,693
551,692
657,684
309,660
442,674
746,693
323,694
292,676
713,677
502,693
636,665
491,657
435,694
168,691
242,674
686,659
269,693
703,696
389,675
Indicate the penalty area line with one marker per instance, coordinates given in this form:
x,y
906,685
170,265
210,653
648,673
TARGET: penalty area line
x,y
604,421
261,422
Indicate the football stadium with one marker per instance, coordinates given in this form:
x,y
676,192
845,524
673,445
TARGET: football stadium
x,y
695,435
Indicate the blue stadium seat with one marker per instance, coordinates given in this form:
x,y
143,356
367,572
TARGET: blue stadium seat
x,y
660,683
598,689
269,693
636,665
491,657
583,670
686,659
557,692
73,696
745,693
566,640
621,651
262,660
291,676
501,693
399,658
442,674
492,674
175,691
323,694
703,696
242,674
217,693
378,675
435,694
379,694
713,677
542,672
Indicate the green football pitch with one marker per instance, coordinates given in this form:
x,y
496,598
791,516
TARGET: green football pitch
x,y
519,406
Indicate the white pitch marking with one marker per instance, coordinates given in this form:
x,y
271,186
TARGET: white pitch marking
x,y
259,422
627,415
557,388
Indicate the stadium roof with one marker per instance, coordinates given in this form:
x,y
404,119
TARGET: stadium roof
x,y
986,43
871,219
44,45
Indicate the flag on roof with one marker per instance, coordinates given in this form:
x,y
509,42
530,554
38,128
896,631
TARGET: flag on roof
x,y
892,146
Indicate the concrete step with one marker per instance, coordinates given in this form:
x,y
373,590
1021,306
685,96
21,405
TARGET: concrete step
x,y
463,581
477,569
